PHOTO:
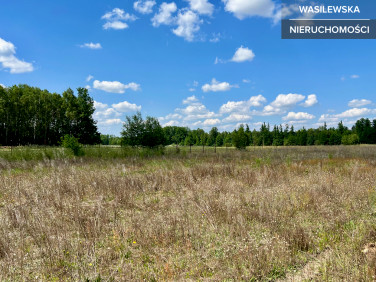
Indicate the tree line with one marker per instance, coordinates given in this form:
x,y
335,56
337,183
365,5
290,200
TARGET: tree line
x,y
29,115
149,133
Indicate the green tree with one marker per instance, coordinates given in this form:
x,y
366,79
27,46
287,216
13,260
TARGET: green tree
x,y
137,132
239,138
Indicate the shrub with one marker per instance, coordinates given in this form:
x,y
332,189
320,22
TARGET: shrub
x,y
71,142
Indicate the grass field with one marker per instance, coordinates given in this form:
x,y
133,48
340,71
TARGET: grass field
x,y
263,214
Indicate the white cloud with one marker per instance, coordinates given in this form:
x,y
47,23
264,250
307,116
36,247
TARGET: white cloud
x,y
356,103
243,54
144,7
188,24
298,116
191,89
203,7
125,107
100,106
171,116
10,61
249,8
109,122
354,76
282,103
91,45
242,106
216,86
2,85
164,15
287,100
194,111
117,18
106,113
311,100
246,81
351,113
89,77
190,100
115,86
328,118
118,14
234,117
172,123
115,25
356,112
211,122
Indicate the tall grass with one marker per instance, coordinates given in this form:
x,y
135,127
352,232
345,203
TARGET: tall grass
x,y
39,153
230,216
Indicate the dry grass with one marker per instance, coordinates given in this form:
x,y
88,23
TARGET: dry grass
x,y
236,216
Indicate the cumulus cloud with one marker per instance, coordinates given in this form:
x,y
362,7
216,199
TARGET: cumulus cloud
x,y
117,18
243,54
249,8
103,112
282,103
356,103
171,123
298,116
354,76
89,77
234,117
106,113
144,7
115,86
194,110
287,100
356,112
217,86
91,45
109,118
109,122
171,116
311,100
351,113
188,24
115,25
100,106
242,106
203,7
190,100
211,122
164,15
9,61
125,107
2,85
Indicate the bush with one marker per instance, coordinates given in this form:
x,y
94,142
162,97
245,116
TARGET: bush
x,y
71,142
350,139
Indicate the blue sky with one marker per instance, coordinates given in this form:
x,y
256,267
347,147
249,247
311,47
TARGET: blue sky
x,y
196,63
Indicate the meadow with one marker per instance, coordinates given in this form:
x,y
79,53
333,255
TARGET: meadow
x,y
286,213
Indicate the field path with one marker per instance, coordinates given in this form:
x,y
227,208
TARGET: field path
x,y
310,270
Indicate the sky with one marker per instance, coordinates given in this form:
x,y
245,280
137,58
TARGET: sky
x,y
195,63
